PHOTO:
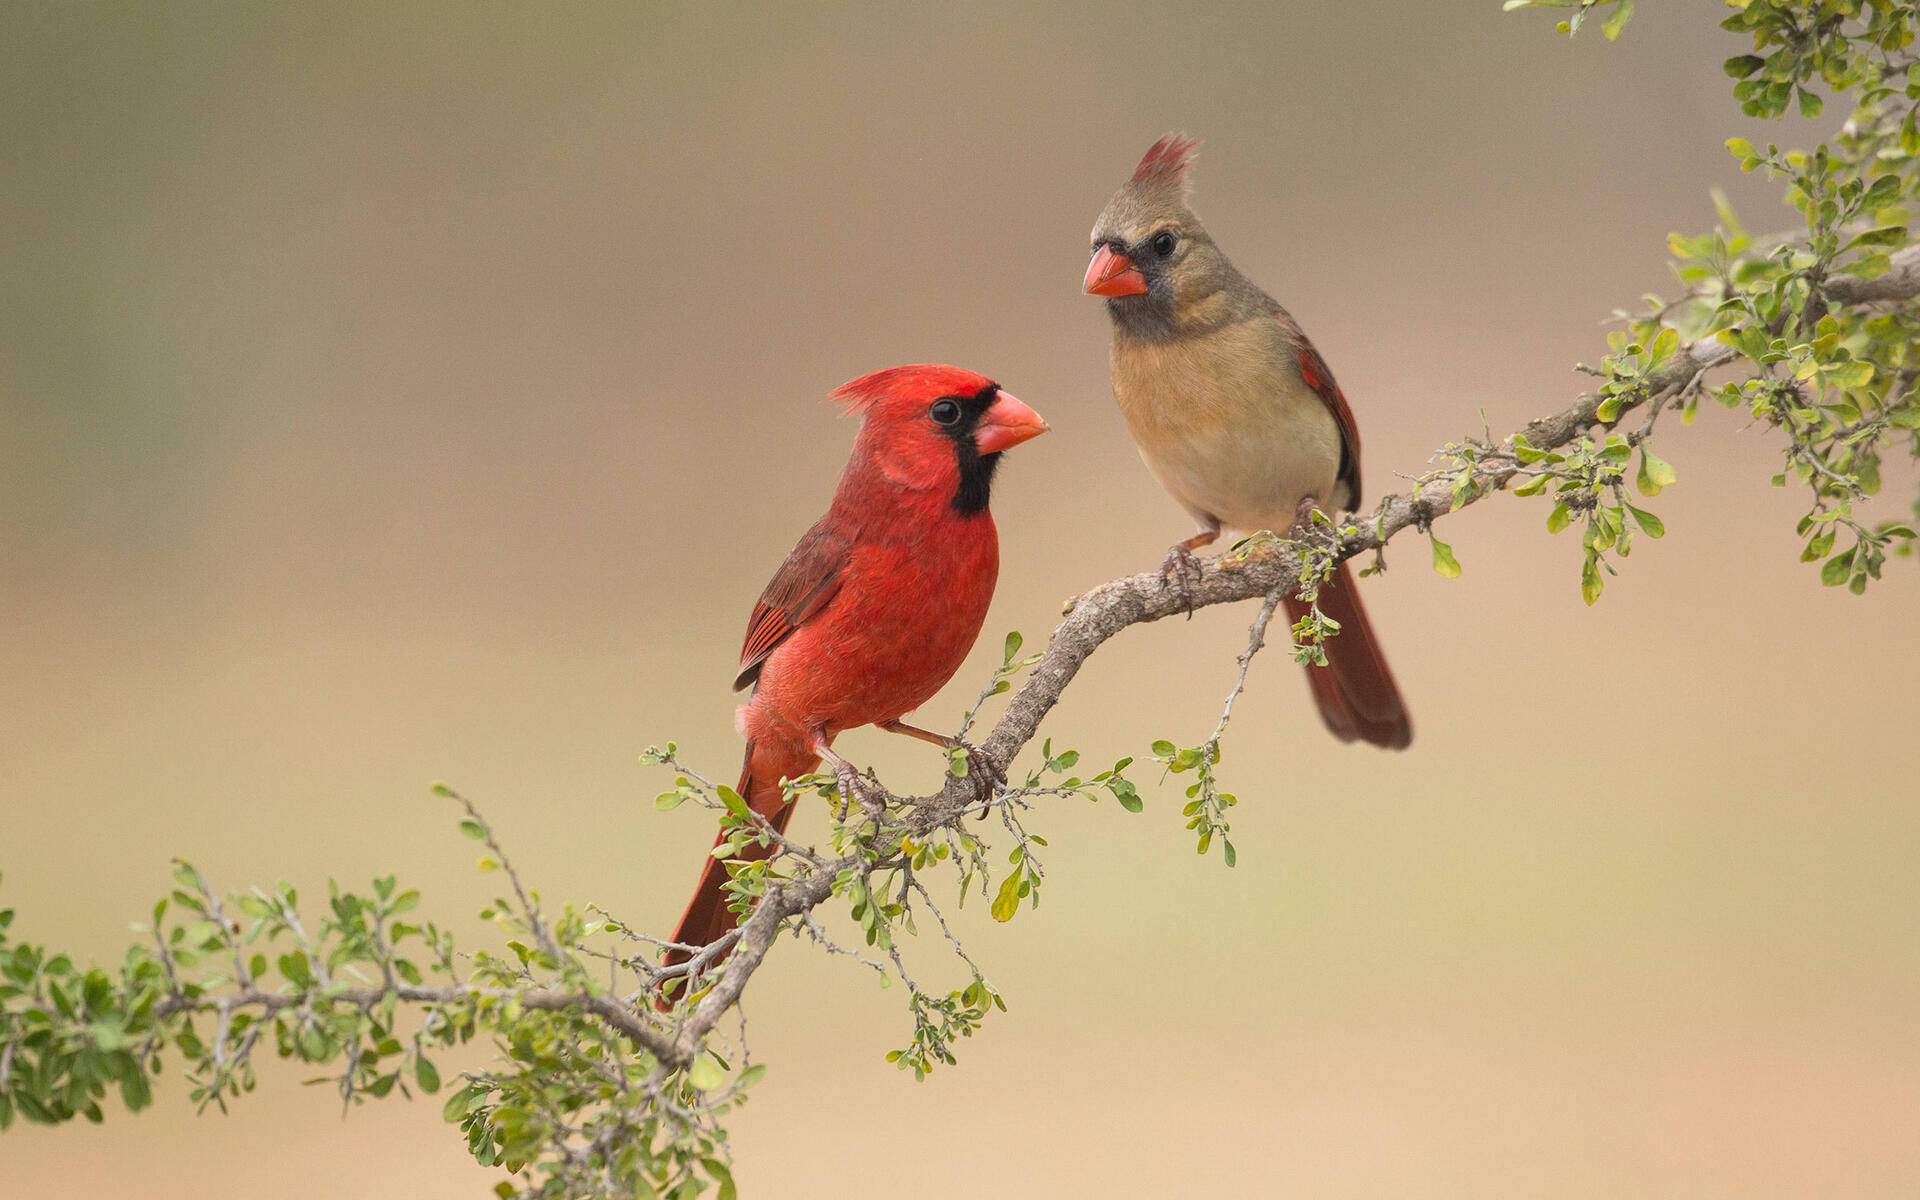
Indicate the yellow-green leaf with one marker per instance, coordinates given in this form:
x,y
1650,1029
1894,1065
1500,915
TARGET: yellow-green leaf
x,y
705,1072
1007,901
1851,374
1649,524
1444,563
1617,19
1655,473
1590,581
1665,345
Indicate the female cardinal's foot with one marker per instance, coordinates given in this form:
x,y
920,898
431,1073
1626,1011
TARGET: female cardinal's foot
x,y
1183,567
1303,516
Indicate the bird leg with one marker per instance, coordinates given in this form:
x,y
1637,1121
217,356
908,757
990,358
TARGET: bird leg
x,y
1181,565
979,766
1303,515
853,788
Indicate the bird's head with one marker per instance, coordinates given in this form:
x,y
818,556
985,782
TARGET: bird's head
x,y
930,427
1151,255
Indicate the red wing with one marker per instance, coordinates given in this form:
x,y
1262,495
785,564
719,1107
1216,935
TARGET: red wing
x,y
800,588
1314,372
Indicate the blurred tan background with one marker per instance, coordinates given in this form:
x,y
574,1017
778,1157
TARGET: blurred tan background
x,y
394,394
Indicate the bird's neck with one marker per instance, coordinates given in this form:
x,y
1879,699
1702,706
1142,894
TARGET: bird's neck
x,y
885,495
1207,304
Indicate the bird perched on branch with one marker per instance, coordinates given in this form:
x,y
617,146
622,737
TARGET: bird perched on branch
x,y
879,603
1235,413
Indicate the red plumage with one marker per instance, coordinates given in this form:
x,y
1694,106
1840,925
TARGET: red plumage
x,y
878,604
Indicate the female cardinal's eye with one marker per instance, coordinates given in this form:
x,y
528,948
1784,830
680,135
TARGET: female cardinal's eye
x,y
1163,243
944,412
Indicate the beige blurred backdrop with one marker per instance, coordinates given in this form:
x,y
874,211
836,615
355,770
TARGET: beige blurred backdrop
x,y
395,393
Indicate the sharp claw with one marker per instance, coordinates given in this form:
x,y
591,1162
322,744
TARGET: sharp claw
x,y
855,790
1303,515
1181,565
984,769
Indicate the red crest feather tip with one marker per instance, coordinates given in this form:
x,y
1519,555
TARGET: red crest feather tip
x,y
856,395
1167,159
931,379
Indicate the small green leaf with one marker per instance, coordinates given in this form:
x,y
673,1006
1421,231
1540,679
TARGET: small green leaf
x,y
1007,901
1853,373
1617,19
705,1072
1444,563
1590,581
1665,345
1655,473
717,1171
462,1101
1649,524
1559,517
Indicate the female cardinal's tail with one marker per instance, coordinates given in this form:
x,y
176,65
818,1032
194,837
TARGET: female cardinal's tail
x,y
1355,690
707,916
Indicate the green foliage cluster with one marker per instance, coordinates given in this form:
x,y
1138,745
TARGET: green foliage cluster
x,y
1773,318
572,1106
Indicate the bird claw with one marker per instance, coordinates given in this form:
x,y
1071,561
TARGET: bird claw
x,y
854,789
1303,516
982,768
1182,566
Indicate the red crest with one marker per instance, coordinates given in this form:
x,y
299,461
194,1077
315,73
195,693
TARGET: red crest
x,y
1167,159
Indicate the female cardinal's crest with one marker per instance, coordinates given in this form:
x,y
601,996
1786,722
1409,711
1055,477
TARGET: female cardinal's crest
x,y
1166,163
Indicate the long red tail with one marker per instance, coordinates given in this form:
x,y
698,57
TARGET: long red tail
x,y
707,916
1355,690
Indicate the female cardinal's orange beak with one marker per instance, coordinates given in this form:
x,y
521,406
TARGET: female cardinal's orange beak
x,y
1113,274
1007,422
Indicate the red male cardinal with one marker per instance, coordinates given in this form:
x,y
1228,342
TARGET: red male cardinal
x,y
878,604
1234,412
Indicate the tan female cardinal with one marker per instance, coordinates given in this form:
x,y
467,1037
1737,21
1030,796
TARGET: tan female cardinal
x,y
1234,412
878,604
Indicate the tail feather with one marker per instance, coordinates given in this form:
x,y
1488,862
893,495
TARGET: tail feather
x,y
1355,690
708,918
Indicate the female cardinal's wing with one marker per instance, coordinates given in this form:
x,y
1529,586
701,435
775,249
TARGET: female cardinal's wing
x,y
800,588
1314,373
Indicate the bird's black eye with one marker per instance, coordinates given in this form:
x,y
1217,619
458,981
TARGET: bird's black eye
x,y
1163,243
944,412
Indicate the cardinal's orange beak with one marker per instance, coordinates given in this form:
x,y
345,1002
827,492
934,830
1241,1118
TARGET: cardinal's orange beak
x,y
1007,422
1113,274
